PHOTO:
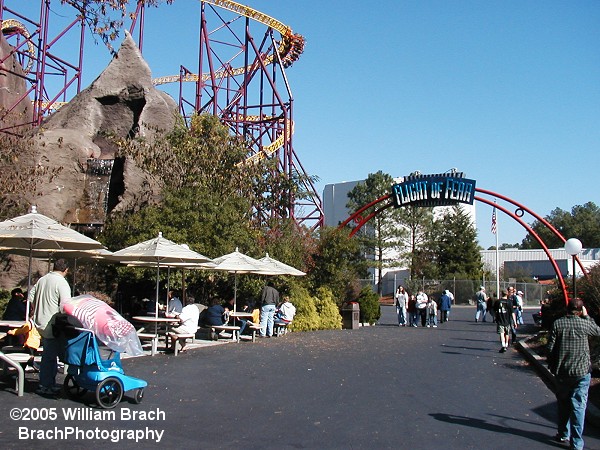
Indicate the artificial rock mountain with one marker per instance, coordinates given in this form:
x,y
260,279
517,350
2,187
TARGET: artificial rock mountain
x,y
121,102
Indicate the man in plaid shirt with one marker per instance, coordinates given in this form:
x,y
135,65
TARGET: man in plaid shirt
x,y
569,361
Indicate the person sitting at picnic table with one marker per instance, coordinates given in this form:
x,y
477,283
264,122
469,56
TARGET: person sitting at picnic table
x,y
16,307
32,342
238,321
285,313
175,305
188,321
215,313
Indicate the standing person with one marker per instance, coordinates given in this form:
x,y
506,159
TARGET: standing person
x,y
519,307
422,301
505,318
401,305
46,297
490,306
431,313
481,300
445,306
412,310
569,360
512,296
269,301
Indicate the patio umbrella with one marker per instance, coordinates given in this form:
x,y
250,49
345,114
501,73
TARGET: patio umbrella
x,y
275,267
236,262
158,252
35,231
97,254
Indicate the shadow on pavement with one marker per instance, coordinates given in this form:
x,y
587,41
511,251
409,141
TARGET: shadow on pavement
x,y
483,425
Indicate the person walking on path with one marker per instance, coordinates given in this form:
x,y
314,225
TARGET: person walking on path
x,y
569,361
431,313
422,301
505,318
445,306
269,302
401,304
46,297
519,307
481,300
412,310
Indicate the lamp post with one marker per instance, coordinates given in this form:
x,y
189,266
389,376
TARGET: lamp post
x,y
573,247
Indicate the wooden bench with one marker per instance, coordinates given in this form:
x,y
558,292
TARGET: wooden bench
x,y
179,338
234,329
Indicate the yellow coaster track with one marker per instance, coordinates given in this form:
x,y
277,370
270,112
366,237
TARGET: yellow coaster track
x,y
290,48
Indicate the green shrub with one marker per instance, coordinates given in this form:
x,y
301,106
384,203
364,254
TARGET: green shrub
x,y
370,311
329,313
4,298
306,318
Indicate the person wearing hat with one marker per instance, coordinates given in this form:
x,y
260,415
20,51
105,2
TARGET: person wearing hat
x,y
569,360
481,301
519,307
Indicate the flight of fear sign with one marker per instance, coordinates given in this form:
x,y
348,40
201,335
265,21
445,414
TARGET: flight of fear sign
x,y
433,190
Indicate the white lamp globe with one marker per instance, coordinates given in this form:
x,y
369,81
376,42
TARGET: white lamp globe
x,y
573,246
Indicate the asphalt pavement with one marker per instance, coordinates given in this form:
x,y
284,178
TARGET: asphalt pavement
x,y
374,387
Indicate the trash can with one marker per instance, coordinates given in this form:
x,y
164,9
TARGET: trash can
x,y
351,316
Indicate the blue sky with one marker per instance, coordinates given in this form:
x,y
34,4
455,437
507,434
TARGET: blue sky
x,y
506,91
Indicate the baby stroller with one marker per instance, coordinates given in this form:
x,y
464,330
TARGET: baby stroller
x,y
87,371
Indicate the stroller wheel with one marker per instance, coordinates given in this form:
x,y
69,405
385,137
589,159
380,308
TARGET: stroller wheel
x,y
139,395
109,392
72,389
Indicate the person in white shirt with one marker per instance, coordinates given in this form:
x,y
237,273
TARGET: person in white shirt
x,y
286,312
401,304
422,301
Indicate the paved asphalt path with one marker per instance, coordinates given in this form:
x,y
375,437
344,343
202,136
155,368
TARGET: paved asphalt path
x,y
374,387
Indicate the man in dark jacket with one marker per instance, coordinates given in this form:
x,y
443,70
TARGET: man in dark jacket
x,y
505,319
569,360
269,302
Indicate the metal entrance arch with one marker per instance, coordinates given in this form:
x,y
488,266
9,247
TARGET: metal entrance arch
x,y
386,202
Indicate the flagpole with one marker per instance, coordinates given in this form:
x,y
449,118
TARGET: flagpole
x,y
495,230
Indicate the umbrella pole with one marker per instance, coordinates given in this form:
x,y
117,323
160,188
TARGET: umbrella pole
x,y
183,285
28,284
74,276
157,288
235,292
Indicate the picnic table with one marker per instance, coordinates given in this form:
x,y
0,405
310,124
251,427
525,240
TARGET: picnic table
x,y
154,335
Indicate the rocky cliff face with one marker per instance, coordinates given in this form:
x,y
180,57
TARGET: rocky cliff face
x,y
122,102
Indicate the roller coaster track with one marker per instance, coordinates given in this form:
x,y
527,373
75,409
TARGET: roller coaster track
x,y
289,50
12,26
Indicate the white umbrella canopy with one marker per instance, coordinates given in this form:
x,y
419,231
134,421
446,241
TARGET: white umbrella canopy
x,y
237,262
275,267
97,254
158,252
35,231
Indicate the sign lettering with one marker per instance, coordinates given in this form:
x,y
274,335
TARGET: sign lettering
x,y
433,190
